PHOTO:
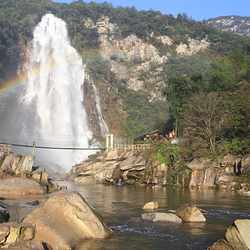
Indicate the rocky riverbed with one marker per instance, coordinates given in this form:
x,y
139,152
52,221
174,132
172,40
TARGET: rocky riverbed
x,y
65,220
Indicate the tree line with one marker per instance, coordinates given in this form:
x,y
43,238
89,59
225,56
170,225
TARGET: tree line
x,y
212,109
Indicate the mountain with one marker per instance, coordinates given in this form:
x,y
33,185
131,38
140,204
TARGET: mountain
x,y
130,56
237,24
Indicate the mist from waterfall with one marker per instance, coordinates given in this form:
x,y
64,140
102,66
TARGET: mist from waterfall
x,y
52,104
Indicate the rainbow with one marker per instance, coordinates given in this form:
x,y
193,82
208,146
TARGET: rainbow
x,y
17,83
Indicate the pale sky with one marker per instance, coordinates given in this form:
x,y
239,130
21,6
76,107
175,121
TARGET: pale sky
x,y
196,9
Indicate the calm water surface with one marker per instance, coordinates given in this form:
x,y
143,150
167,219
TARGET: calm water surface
x,y
120,204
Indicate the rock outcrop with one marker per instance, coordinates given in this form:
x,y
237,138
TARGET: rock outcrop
x,y
235,238
117,166
16,164
65,219
23,166
15,186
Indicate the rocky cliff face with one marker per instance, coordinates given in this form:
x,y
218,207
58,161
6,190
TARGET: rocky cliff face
x,y
137,63
237,24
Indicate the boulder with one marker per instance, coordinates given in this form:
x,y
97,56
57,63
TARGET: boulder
x,y
210,177
196,178
110,155
40,174
236,237
7,163
65,219
15,163
26,164
28,245
13,232
151,205
231,162
225,178
190,213
20,186
161,217
245,164
199,164
133,162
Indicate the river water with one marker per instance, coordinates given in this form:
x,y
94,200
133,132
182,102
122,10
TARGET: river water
x,y
121,205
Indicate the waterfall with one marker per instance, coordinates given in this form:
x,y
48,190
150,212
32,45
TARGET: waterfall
x,y
103,126
52,104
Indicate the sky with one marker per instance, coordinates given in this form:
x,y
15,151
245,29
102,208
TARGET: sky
x,y
196,9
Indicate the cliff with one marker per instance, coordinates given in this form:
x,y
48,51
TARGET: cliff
x,y
237,24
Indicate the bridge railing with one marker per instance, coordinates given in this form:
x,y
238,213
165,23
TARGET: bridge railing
x,y
6,148
139,147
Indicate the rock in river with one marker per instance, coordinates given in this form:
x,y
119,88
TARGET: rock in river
x,y
151,205
236,237
161,217
65,219
190,213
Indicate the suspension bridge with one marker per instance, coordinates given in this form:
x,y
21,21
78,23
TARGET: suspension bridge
x,y
110,145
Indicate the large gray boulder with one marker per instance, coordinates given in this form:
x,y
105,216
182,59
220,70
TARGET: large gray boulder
x,y
65,219
161,217
237,237
190,213
16,186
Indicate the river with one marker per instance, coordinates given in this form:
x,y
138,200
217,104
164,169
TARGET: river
x,y
121,205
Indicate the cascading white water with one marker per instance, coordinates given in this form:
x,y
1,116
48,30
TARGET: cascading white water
x,y
52,103
103,125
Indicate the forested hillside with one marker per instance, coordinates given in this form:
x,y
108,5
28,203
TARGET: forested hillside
x,y
153,71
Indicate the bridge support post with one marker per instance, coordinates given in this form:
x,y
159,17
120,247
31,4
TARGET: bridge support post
x,y
110,141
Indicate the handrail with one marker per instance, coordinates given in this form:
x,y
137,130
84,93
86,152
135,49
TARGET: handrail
x,y
140,147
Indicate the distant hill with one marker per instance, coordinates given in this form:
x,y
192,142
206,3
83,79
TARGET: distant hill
x,y
237,24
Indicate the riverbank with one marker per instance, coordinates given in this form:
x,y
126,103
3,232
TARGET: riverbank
x,y
133,167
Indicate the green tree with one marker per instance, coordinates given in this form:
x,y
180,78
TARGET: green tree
x,y
202,119
177,92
